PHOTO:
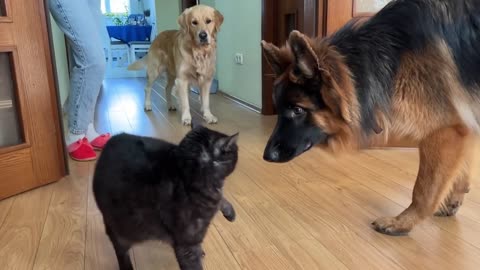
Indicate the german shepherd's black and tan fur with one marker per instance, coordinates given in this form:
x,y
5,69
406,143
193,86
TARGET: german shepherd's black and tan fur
x,y
411,71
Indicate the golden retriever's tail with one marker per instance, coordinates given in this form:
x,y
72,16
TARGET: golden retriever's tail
x,y
139,64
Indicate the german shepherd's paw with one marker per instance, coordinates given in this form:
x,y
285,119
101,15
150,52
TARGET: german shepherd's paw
x,y
210,118
392,226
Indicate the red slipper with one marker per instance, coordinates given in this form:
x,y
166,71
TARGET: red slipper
x,y
81,150
99,142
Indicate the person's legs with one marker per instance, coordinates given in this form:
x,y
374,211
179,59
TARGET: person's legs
x,y
83,30
99,20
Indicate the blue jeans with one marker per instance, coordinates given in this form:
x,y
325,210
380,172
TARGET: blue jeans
x,y
82,23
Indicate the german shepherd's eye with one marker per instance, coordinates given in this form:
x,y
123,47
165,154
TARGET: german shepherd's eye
x,y
194,22
298,110
208,21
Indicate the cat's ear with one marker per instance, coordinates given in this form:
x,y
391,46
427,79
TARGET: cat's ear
x,y
231,141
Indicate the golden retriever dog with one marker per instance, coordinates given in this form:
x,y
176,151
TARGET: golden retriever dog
x,y
188,57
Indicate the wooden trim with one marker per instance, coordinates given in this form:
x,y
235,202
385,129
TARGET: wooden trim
x,y
268,11
338,12
12,165
321,18
8,10
394,148
8,149
53,85
240,102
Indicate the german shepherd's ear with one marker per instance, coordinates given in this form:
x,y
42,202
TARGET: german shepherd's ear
x,y
338,91
276,58
305,57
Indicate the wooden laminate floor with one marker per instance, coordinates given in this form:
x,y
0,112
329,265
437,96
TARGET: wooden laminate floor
x,y
312,213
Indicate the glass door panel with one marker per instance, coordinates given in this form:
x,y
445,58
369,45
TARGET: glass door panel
x,y
10,131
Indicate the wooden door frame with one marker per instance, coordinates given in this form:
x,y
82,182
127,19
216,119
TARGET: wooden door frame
x,y
268,11
268,34
53,82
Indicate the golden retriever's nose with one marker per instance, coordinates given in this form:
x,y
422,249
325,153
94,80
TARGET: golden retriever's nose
x,y
203,36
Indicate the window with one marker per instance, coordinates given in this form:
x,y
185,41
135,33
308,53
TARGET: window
x,y
115,6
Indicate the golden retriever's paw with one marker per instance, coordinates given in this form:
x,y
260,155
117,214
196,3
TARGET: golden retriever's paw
x,y
186,119
452,203
392,226
187,122
148,106
210,118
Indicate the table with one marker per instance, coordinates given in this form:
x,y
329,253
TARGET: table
x,y
128,33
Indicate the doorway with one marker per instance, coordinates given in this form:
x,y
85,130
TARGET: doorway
x,y
279,18
188,3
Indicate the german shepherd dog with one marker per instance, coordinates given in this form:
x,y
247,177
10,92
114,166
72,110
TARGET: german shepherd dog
x,y
411,71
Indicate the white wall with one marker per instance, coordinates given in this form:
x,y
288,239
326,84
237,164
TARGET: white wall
x,y
60,53
136,7
167,14
241,32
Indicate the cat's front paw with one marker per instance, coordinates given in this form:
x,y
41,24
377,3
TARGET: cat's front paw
x,y
228,211
230,216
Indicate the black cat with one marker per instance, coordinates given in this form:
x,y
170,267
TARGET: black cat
x,y
149,189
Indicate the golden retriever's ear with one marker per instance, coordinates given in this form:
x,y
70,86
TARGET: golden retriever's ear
x,y
218,20
183,21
